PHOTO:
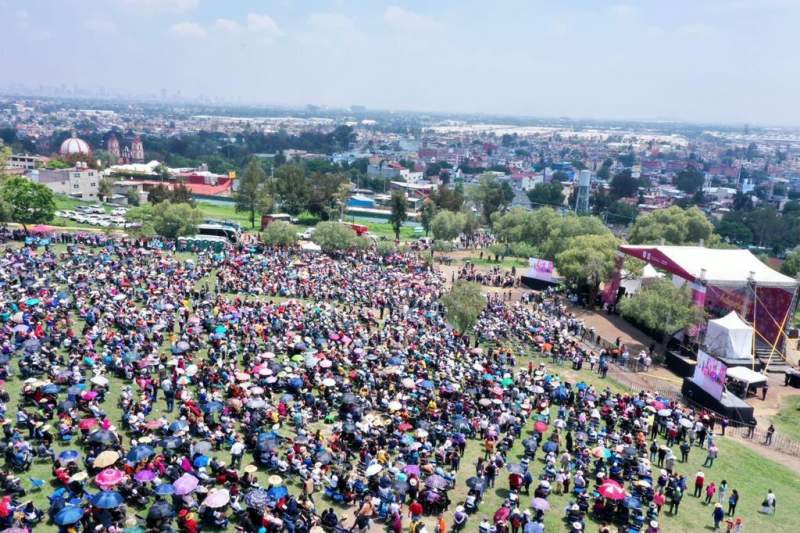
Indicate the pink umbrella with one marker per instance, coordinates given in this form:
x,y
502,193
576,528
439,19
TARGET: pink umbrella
x,y
145,475
109,477
540,427
185,484
87,423
154,424
612,490
217,498
89,395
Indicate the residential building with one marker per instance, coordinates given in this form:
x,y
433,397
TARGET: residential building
x,y
80,182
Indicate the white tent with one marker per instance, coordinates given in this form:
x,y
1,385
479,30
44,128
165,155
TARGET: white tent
x,y
746,375
730,337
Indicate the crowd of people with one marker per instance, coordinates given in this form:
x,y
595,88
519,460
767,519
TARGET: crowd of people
x,y
269,389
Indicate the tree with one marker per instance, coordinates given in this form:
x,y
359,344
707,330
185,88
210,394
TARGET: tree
x,y
621,213
280,233
340,197
167,219
791,265
690,180
426,214
672,225
398,215
264,203
158,194
447,225
445,198
587,261
105,188
463,305
132,196
28,202
624,185
471,223
5,153
546,194
734,230
662,307
335,236
181,194
491,195
290,188
248,190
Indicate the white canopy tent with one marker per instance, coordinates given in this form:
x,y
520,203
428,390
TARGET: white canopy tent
x,y
730,337
745,375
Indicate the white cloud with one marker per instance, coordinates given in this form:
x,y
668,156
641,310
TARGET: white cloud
x,y
227,25
408,21
623,10
331,21
189,30
161,5
263,24
100,24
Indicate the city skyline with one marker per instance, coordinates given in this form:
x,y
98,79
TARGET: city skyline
x,y
711,61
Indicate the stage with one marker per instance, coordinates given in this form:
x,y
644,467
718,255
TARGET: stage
x,y
731,406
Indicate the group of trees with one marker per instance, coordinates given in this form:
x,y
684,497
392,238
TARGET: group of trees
x,y
763,226
673,225
661,307
167,219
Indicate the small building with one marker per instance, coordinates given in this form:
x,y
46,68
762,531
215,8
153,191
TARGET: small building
x,y
80,182
26,161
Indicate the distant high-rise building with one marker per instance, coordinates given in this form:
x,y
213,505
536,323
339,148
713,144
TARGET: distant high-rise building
x,y
584,190
112,145
137,149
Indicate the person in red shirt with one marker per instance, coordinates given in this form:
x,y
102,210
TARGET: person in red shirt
x,y
415,509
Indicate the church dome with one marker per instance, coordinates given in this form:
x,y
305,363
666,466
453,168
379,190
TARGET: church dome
x,y
73,145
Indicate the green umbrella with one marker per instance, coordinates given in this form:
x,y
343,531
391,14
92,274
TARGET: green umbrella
x,y
507,382
297,358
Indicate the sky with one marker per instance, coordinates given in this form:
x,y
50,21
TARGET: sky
x,y
728,61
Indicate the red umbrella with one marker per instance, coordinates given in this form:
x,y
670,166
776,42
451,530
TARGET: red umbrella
x,y
611,490
502,514
154,424
540,427
405,426
87,423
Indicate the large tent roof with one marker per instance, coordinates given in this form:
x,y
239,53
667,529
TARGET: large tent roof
x,y
730,268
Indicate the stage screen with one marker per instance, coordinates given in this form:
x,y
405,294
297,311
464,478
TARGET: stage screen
x,y
710,374
540,269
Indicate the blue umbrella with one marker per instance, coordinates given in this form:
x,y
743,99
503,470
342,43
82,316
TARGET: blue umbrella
x,y
632,502
140,452
178,425
267,435
276,493
219,330
68,515
165,489
549,446
395,361
201,460
68,455
50,389
107,500
426,384
582,386
212,407
76,389
295,383
33,301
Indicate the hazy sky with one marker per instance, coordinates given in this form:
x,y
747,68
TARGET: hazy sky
x,y
718,60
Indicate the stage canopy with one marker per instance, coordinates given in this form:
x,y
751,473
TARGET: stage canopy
x,y
730,337
744,374
722,267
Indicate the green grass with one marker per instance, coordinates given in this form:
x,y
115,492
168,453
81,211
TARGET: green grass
x,y
228,212
787,421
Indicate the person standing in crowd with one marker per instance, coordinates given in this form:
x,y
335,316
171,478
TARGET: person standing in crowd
x,y
769,503
733,501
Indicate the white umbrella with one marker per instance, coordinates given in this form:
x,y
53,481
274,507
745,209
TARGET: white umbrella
x,y
329,382
100,380
395,406
373,469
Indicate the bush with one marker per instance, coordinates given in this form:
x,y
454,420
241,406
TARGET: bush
x,y
463,305
523,250
335,236
280,233
385,248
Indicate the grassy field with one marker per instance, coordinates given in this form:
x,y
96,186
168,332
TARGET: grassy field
x,y
787,421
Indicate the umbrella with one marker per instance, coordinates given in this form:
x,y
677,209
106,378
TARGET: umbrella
x,y
165,490
540,504
540,427
100,381
202,447
436,482
324,457
601,452
52,388
329,382
68,456
201,460
66,405
107,458
109,477
178,425
256,403
185,484
256,498
68,515
144,475
217,498
373,469
629,452
665,412
515,468
612,490
140,452
212,407
549,446
171,442
476,483
104,437
160,510
685,422
632,502
485,402
276,493
87,423
400,486
107,500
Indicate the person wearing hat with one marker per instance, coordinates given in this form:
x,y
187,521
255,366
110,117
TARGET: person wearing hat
x,y
718,515
459,518
653,527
